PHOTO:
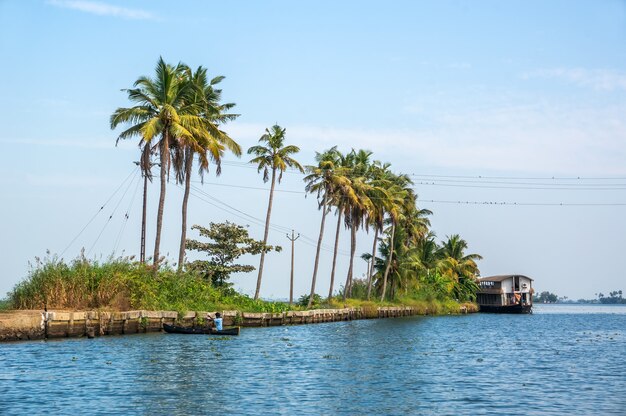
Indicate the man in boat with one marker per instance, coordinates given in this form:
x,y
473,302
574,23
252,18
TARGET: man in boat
x,y
217,322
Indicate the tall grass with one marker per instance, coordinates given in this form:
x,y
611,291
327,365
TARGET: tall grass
x,y
123,284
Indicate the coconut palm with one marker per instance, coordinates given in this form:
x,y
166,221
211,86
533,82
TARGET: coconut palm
x,y
357,210
379,176
272,158
322,180
163,111
342,196
400,201
208,143
461,268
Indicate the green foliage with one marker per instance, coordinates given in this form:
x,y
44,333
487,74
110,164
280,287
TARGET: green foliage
x,y
123,284
613,298
546,297
304,300
228,242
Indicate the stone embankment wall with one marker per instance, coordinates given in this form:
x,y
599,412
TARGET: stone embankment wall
x,y
32,325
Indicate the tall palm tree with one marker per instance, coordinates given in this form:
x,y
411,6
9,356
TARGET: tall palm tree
x,y
272,158
321,180
401,200
209,142
342,196
379,176
163,111
357,209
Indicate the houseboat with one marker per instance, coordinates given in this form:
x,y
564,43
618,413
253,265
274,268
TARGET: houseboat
x,y
510,293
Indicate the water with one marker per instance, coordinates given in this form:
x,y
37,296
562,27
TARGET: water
x,y
562,359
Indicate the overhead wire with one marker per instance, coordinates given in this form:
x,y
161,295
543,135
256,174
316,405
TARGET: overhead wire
x,y
218,203
99,211
112,214
126,216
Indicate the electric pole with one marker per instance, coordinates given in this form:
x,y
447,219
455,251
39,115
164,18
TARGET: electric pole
x,y
293,240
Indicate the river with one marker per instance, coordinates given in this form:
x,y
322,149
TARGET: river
x,y
563,359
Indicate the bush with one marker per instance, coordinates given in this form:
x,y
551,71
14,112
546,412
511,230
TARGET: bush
x,y
304,300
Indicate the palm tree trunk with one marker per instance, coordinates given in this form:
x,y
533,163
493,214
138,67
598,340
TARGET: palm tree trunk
x,y
317,253
183,232
165,148
393,232
348,289
332,273
142,252
267,229
371,271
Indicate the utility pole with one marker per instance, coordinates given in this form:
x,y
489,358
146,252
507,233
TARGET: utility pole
x,y
293,240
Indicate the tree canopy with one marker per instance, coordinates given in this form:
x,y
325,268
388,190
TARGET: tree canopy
x,y
228,242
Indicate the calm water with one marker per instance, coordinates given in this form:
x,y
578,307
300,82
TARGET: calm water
x,y
562,359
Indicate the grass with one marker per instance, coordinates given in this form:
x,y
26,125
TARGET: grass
x,y
123,284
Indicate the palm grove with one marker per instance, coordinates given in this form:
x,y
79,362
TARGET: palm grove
x,y
178,117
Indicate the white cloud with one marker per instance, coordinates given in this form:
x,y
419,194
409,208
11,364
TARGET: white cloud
x,y
599,79
103,9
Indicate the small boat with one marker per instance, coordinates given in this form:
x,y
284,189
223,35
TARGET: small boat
x,y
508,293
175,329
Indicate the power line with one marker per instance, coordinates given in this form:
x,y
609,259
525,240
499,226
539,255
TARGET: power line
x,y
247,217
555,204
98,212
540,187
570,178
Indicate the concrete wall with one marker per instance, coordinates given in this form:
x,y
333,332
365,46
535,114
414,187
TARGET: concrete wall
x,y
31,325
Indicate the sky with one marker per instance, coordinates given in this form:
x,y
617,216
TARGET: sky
x,y
510,117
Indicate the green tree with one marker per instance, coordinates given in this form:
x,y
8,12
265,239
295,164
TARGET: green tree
x,y
357,209
272,157
208,142
227,243
461,268
399,195
163,111
322,180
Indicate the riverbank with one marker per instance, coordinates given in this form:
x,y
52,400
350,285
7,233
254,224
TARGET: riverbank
x,y
23,325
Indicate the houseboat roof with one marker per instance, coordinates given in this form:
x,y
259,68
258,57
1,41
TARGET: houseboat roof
x,y
502,277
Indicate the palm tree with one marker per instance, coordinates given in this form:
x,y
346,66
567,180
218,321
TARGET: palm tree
x,y
379,176
209,141
321,180
358,208
273,157
459,267
342,196
162,112
401,200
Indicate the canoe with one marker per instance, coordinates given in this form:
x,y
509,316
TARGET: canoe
x,y
174,329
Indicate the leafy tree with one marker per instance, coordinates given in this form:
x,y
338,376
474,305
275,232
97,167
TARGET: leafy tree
x,y
546,297
272,157
228,242
613,298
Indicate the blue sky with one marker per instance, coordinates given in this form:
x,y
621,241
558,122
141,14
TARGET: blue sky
x,y
513,90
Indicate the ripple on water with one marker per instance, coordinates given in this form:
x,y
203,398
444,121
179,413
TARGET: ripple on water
x,y
551,362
